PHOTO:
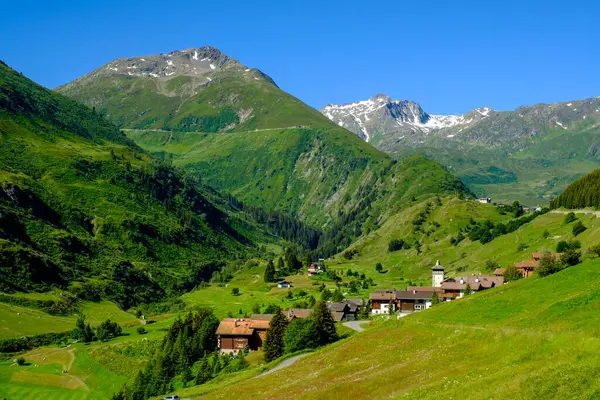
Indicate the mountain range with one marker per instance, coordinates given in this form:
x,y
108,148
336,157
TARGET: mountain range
x,y
529,154
236,130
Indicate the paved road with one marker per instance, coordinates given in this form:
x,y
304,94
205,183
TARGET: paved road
x,y
355,325
284,364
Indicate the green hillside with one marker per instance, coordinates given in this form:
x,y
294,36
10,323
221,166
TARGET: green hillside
x,y
531,339
80,204
234,129
584,192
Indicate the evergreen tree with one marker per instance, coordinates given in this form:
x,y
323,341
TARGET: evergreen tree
x,y
270,272
512,274
216,366
324,324
280,265
391,307
273,346
363,312
204,372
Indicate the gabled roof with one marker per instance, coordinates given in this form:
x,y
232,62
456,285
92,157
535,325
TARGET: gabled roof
x,y
382,295
424,289
527,264
235,326
262,317
337,316
297,313
413,295
476,282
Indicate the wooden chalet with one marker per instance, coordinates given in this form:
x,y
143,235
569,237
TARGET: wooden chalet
x,y
455,288
237,333
345,310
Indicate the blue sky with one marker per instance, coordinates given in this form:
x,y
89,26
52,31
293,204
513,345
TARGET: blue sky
x,y
449,56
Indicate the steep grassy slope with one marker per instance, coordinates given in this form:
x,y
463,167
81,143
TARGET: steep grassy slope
x,y
409,266
239,132
585,192
79,200
532,339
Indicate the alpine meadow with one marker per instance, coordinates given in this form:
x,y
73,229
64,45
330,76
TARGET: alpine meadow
x,y
176,224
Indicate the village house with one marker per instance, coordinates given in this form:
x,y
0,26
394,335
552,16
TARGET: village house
x,y
382,300
284,285
527,267
345,310
314,269
455,288
237,333
484,200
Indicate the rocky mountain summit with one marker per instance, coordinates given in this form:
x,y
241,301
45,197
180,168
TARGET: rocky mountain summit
x,y
381,118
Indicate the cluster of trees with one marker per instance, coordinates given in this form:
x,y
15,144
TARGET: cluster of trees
x,y
584,192
578,226
549,265
282,225
299,334
84,332
188,341
357,281
486,231
398,244
291,265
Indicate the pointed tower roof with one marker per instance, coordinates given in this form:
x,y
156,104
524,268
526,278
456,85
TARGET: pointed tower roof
x,y
437,266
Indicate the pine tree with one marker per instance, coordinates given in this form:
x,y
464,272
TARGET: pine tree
x,y
216,366
280,265
204,372
270,272
273,345
324,324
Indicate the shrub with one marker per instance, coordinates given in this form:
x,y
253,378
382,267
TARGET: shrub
x,y
395,245
570,257
563,246
548,265
141,330
578,228
595,249
350,254
108,330
522,246
235,291
512,274
545,234
20,361
570,217
491,265
379,267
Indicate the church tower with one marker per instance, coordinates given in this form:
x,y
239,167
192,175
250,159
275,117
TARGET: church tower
x,y
437,275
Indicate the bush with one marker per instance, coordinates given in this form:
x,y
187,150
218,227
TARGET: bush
x,y
563,246
108,330
578,228
548,265
20,361
570,217
395,245
522,246
595,249
300,334
141,330
379,267
512,274
570,257
545,234
491,265
235,291
350,254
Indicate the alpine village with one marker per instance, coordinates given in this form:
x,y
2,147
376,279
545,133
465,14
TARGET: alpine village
x,y
177,226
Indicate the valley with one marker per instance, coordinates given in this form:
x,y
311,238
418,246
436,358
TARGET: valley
x,y
177,223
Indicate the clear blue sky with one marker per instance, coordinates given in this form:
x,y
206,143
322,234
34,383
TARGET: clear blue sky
x,y
449,57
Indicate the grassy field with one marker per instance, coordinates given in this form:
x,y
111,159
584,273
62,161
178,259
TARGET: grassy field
x,y
531,339
19,321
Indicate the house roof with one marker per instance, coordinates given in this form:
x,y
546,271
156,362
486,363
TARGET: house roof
x,y
424,289
341,306
262,317
356,302
298,313
476,282
382,295
413,295
499,271
235,326
527,264
337,316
